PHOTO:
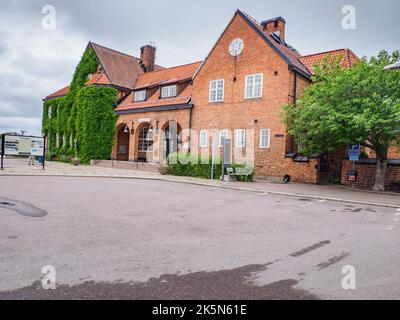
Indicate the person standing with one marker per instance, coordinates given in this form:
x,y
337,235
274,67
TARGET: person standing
x,y
31,160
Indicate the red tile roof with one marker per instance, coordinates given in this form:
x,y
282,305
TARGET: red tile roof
x,y
99,78
177,74
121,69
170,75
311,60
60,93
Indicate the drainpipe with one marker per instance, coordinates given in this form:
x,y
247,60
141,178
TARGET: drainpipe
x,y
190,128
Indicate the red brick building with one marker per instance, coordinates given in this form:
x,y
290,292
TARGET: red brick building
x,y
237,91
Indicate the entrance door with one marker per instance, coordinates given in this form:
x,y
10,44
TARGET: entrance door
x,y
123,144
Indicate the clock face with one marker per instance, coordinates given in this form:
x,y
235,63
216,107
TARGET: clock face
x,y
236,47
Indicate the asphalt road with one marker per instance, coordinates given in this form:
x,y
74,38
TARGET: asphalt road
x,y
135,239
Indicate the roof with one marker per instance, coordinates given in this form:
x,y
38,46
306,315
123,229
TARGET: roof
x,y
60,93
311,60
121,69
99,78
286,51
170,75
395,66
153,79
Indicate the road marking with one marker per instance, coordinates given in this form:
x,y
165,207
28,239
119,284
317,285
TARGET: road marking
x,y
323,200
390,228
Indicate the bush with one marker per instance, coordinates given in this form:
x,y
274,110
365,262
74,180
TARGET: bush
x,y
181,164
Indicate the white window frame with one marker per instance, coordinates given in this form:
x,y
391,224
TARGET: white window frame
x,y
241,139
140,95
253,86
268,140
225,133
169,91
203,139
216,90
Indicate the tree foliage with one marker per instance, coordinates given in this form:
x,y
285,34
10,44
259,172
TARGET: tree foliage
x,y
360,104
95,122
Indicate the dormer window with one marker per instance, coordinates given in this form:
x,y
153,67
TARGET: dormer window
x,y
168,92
140,95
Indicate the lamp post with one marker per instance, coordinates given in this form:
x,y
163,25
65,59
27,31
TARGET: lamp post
x,y
395,66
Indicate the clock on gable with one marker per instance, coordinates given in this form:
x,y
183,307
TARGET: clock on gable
x,y
236,47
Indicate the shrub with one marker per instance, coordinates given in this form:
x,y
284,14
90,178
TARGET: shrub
x,y
181,164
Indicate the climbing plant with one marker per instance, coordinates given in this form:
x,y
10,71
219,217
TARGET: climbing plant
x,y
63,124
95,122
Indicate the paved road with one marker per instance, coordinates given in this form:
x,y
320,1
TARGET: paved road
x,y
135,239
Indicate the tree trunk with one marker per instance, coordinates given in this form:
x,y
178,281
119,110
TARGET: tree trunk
x,y
381,165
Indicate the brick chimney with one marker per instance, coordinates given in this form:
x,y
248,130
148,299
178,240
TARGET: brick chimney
x,y
276,25
148,57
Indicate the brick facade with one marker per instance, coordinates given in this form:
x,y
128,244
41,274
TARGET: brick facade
x,y
236,112
366,174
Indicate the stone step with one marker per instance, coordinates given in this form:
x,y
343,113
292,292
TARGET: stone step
x,y
130,165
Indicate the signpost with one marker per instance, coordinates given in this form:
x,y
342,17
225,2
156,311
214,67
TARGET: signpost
x,y
354,155
18,145
226,155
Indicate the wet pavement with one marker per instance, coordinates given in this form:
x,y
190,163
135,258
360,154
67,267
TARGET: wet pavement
x,y
131,239
23,208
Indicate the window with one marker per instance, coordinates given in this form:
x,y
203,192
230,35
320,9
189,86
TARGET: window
x,y
223,134
146,140
168,92
254,84
140,95
49,113
203,139
240,138
265,136
216,91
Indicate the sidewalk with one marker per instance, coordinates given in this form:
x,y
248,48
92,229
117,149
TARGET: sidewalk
x,y
333,193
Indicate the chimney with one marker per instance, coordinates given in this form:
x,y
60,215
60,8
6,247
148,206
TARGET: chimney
x,y
148,57
276,25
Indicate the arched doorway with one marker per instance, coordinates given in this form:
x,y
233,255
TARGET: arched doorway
x,y
145,143
172,138
123,143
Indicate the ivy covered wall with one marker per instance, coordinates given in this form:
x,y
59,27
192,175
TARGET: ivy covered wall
x,y
95,122
60,115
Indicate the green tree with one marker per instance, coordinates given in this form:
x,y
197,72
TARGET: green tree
x,y
95,122
343,106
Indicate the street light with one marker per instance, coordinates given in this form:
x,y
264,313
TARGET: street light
x,y
395,66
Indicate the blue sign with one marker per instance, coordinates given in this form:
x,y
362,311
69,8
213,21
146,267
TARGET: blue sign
x,y
354,152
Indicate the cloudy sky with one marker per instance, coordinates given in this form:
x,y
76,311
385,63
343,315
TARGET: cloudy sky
x,y
35,61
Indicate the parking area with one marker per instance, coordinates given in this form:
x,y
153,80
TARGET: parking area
x,y
138,239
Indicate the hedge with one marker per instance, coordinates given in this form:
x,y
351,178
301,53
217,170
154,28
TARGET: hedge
x,y
182,164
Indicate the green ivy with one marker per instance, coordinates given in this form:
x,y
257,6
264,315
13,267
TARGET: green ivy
x,y
96,122
64,109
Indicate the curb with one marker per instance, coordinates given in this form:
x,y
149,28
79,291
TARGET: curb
x,y
262,192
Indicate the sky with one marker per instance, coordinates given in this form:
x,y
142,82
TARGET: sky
x,y
36,61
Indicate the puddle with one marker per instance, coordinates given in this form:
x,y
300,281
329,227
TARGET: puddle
x,y
22,208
